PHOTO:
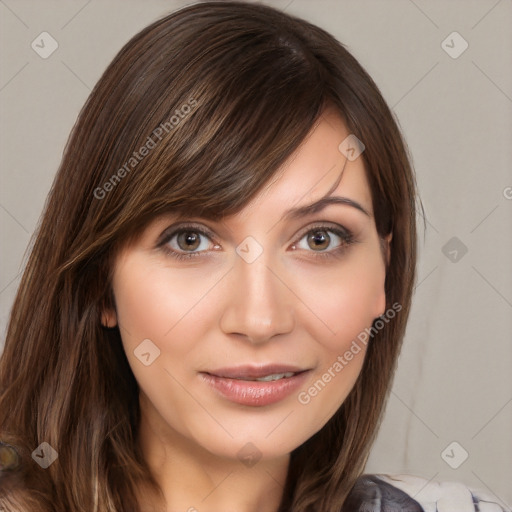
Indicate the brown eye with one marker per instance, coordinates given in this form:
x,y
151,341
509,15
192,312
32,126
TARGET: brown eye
x,y
318,240
325,240
188,240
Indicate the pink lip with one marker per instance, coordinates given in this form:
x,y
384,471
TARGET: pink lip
x,y
231,383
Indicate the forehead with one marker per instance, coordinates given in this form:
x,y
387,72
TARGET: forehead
x,y
316,168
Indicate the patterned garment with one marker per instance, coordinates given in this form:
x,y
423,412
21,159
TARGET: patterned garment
x,y
406,493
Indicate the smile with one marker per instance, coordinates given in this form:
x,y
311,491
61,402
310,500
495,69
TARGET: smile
x,y
256,387
271,377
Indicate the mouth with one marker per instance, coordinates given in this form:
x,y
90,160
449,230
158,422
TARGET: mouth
x,y
269,378
256,385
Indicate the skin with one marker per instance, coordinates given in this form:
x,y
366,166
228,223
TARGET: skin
x,y
290,305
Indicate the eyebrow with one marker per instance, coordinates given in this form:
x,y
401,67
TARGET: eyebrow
x,y
326,200
322,203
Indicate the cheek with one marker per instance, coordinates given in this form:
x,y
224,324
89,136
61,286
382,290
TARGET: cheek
x,y
154,302
344,303
345,300
172,310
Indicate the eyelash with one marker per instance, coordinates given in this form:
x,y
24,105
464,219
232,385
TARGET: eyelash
x,y
347,239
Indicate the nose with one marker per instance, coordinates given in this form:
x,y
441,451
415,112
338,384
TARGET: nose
x,y
259,305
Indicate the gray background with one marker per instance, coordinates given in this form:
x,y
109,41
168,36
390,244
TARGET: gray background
x,y
454,381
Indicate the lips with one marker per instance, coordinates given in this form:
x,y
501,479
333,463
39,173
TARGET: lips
x,y
249,372
255,385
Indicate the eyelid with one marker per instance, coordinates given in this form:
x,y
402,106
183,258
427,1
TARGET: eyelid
x,y
170,232
183,226
326,225
201,228
344,234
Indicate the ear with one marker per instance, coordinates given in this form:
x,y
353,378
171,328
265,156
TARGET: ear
x,y
385,244
108,318
387,248
108,311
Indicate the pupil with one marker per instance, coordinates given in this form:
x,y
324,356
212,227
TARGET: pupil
x,y
190,240
319,239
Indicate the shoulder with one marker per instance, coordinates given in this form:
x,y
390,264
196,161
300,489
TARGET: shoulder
x,y
380,493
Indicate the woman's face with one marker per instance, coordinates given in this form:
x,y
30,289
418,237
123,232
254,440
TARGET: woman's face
x,y
276,293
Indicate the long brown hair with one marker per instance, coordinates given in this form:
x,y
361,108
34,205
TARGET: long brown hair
x,y
219,94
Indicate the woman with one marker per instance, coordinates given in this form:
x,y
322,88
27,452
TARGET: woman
x,y
217,294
